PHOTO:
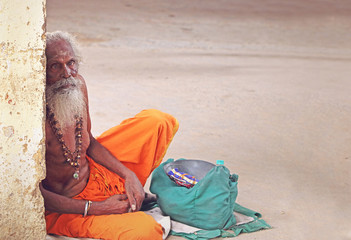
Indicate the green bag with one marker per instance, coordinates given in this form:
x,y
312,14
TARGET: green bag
x,y
209,204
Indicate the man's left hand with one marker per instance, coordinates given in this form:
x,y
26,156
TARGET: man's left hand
x,y
134,191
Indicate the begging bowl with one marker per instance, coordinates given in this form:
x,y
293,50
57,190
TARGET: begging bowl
x,y
196,168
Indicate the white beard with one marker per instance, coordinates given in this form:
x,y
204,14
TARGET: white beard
x,y
66,103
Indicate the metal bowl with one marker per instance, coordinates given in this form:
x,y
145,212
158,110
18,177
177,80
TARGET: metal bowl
x,y
197,168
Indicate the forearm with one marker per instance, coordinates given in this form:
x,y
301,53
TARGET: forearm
x,y
133,187
102,156
57,203
53,202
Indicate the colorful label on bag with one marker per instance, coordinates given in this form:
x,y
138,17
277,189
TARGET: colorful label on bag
x,y
181,178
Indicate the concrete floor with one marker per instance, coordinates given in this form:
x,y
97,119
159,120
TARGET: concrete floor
x,y
263,85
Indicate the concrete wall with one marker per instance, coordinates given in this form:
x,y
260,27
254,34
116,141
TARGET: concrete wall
x,y
22,84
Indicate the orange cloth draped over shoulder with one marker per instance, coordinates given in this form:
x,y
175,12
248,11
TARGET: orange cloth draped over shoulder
x,y
140,143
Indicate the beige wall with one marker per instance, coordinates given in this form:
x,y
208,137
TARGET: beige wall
x,y
22,27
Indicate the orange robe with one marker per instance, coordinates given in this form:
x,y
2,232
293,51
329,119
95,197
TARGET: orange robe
x,y
140,144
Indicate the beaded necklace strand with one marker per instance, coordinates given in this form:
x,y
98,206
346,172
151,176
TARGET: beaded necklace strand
x,y
71,158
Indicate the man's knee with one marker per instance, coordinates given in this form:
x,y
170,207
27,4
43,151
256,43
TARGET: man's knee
x,y
156,115
160,119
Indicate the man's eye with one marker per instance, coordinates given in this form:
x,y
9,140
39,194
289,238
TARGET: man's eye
x,y
72,62
54,66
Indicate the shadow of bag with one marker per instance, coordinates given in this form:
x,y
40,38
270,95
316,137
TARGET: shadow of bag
x,y
209,204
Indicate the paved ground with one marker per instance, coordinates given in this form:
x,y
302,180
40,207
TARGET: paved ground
x,y
264,85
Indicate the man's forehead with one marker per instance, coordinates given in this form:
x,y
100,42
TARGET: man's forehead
x,y
59,48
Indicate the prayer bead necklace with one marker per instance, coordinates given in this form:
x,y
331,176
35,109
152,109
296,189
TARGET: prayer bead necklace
x,y
71,158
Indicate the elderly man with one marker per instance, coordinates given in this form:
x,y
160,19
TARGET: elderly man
x,y
94,186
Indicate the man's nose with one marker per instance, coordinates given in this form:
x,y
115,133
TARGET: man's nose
x,y
67,72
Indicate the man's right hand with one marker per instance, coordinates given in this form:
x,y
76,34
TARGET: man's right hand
x,y
115,204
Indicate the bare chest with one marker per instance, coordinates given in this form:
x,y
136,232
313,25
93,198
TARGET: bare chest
x,y
56,145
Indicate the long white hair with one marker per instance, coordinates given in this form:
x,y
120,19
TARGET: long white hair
x,y
66,103
52,37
